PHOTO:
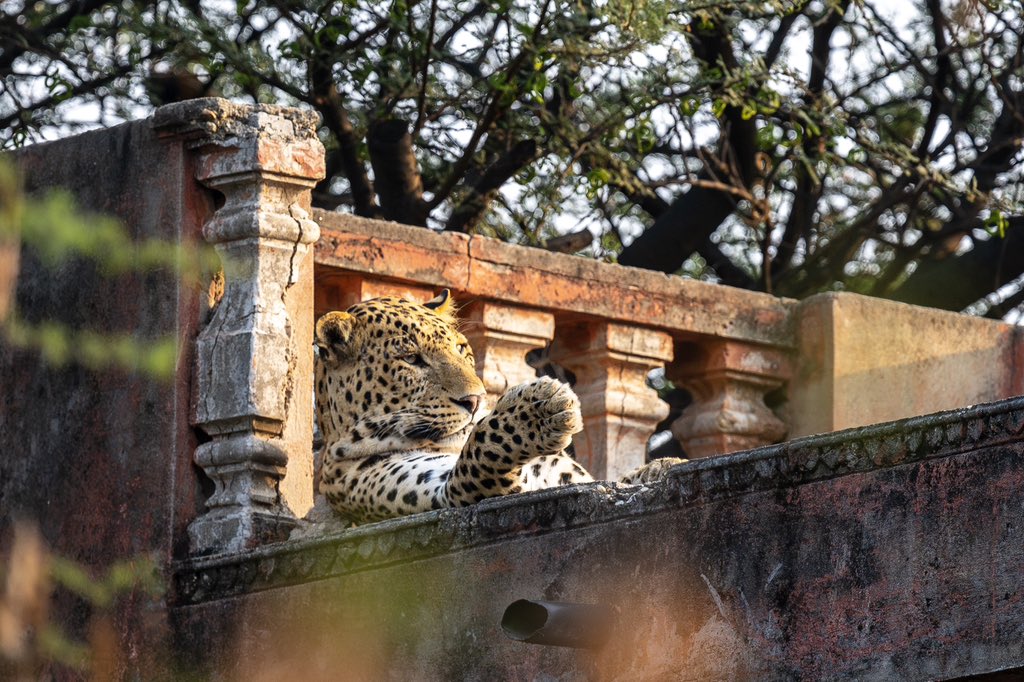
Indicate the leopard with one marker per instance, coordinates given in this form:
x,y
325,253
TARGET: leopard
x,y
402,417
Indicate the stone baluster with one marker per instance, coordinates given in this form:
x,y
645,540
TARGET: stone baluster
x,y
253,382
728,381
501,336
611,362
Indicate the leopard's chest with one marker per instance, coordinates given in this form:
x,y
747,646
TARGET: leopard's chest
x,y
388,485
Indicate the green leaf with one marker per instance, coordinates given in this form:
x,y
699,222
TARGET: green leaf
x,y
689,106
996,224
766,139
79,22
599,176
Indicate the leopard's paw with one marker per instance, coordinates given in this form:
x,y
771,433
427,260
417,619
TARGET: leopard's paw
x,y
544,412
652,471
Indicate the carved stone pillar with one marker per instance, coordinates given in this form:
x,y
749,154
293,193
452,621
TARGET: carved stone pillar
x,y
611,362
253,381
501,336
728,381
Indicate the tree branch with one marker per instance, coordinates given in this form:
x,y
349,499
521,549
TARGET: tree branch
x,y
655,206
328,100
694,216
490,115
421,103
36,40
807,192
468,213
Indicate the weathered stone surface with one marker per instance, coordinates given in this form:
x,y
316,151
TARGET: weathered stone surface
x,y
490,269
620,411
101,460
728,381
804,560
215,120
864,360
10,254
339,292
253,363
391,251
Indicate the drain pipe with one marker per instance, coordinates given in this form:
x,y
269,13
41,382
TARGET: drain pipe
x,y
581,626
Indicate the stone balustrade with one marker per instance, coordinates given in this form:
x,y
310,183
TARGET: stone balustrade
x,y
608,326
830,362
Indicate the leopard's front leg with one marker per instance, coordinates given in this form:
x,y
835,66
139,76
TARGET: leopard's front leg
x,y
535,419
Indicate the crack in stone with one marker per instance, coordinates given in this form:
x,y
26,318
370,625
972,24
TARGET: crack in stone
x,y
293,276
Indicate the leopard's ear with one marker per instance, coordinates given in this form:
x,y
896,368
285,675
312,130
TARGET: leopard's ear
x,y
333,338
443,304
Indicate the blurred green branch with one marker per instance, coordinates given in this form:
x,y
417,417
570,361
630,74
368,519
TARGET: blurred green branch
x,y
30,575
57,231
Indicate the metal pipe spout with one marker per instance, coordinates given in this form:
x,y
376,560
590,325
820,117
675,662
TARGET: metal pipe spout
x,y
581,626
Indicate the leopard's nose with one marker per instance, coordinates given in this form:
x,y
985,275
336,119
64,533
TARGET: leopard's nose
x,y
470,403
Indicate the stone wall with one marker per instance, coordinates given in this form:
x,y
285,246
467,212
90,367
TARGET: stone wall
x,y
102,460
105,461
863,360
888,552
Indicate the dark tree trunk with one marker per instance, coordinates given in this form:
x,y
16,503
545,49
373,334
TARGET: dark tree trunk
x,y
396,172
679,231
958,281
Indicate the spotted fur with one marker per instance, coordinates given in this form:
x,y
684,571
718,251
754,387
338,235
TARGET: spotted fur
x,y
399,407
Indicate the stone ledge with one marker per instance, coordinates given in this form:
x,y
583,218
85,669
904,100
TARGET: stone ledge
x,y
559,283
787,465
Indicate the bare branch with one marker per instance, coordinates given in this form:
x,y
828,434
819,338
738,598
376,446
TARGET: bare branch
x,y
471,209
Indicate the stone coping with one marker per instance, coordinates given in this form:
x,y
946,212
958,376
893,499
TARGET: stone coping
x,y
564,284
790,464
214,119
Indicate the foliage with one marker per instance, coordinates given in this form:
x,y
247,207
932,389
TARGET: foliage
x,y
792,146
28,636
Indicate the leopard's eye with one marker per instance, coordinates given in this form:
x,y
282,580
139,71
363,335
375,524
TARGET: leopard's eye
x,y
463,348
414,359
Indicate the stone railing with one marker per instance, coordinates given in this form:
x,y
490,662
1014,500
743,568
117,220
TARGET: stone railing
x,y
831,362
608,325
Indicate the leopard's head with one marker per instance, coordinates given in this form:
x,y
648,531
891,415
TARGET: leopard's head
x,y
392,374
